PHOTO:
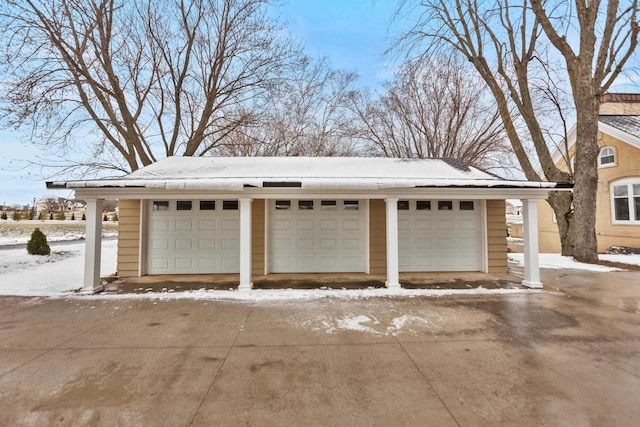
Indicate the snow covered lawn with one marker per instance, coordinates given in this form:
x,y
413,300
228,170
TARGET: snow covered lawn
x,y
17,232
558,261
55,274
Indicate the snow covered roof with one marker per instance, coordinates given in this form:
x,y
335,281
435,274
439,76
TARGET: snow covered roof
x,y
315,173
626,123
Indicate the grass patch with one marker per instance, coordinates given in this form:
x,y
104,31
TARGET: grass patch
x,y
20,230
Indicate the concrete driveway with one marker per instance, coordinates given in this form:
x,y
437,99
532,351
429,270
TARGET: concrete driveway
x,y
551,358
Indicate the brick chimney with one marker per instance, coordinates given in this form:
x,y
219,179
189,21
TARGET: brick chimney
x,y
620,104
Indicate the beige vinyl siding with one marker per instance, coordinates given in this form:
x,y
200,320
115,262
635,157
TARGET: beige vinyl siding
x,y
128,238
257,237
497,236
377,237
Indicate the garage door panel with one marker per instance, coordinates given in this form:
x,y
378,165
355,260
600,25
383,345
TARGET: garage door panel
x,y
445,225
467,224
206,263
230,244
423,224
206,244
351,243
193,241
304,244
435,240
423,243
468,243
230,263
304,224
328,225
403,224
282,225
281,244
160,263
350,262
206,225
425,262
184,263
231,225
305,263
328,262
328,244
404,243
159,225
351,224
322,240
182,244
159,244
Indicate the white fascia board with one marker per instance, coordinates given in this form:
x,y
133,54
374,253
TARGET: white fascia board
x,y
619,134
296,193
602,127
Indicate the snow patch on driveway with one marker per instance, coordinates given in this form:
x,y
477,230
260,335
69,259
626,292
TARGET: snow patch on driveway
x,y
557,261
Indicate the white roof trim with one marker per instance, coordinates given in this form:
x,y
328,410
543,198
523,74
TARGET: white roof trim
x,y
602,127
302,174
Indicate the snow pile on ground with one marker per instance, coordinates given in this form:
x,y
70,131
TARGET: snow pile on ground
x,y
279,295
624,259
363,323
406,323
557,261
56,274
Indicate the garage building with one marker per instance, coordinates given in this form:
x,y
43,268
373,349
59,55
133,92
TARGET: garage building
x,y
255,216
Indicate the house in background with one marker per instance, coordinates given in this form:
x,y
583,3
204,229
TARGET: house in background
x,y
260,215
618,197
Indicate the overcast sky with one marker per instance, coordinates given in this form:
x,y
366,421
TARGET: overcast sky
x,y
351,33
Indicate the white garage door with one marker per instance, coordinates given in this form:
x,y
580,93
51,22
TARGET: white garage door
x,y
317,236
439,235
199,236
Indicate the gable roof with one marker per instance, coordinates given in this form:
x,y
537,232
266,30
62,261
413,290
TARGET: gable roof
x,y
627,124
626,128
316,173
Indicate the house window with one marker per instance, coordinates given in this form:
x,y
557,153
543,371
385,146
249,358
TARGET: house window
x,y
183,205
207,205
445,205
607,157
305,205
423,205
229,205
626,201
160,206
328,204
351,205
466,205
403,205
283,205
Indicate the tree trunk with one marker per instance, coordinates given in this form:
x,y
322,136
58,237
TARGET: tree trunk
x,y
560,202
586,176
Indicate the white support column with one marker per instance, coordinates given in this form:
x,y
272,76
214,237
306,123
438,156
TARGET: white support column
x,y
393,276
245,244
93,243
531,255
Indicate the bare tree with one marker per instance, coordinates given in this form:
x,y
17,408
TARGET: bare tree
x,y
307,115
505,42
608,37
432,108
131,81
